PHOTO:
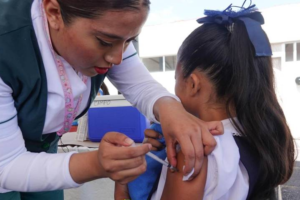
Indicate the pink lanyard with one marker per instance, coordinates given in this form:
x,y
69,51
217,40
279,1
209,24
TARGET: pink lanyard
x,y
70,109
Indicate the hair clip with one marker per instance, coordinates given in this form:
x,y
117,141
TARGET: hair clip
x,y
252,19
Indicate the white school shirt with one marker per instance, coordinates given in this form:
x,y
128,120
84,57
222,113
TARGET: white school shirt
x,y
227,178
24,171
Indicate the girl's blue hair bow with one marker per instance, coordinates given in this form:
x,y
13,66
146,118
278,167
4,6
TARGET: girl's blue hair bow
x,y
252,20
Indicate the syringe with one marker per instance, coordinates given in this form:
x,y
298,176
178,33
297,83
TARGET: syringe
x,y
165,163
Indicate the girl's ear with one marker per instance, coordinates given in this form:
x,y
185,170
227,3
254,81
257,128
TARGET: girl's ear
x,y
193,85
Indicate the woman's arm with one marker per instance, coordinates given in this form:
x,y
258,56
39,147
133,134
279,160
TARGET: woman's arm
x,y
24,171
134,81
176,188
21,170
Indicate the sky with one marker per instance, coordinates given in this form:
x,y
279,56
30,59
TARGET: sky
x,y
164,11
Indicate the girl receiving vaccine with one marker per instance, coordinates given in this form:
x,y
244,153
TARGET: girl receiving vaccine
x,y
224,72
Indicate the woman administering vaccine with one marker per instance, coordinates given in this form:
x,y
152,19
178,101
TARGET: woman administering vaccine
x,y
54,55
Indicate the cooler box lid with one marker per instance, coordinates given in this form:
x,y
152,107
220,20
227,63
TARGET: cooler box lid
x,y
115,113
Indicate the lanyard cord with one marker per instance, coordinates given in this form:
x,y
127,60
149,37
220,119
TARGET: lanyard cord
x,y
70,109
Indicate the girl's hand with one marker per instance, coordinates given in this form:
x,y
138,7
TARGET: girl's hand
x,y
152,137
121,192
118,160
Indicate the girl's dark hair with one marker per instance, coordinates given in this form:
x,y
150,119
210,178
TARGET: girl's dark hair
x,y
104,88
227,57
93,8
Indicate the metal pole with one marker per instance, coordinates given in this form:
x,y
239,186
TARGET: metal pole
x,y
279,192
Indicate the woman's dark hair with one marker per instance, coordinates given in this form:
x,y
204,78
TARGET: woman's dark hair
x,y
227,57
93,8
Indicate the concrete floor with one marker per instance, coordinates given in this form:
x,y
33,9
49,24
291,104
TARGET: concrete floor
x,y
291,190
103,189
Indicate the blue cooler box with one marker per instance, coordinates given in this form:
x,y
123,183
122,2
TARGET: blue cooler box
x,y
115,113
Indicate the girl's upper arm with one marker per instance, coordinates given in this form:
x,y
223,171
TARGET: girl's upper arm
x,y
176,188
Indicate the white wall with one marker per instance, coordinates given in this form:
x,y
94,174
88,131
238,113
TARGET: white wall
x,y
282,23
164,39
289,91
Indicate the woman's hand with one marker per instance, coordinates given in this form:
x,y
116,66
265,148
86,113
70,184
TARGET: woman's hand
x,y
152,137
114,159
119,161
191,133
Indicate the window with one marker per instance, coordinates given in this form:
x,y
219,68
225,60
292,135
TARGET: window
x,y
298,51
154,64
276,63
160,64
170,63
276,48
289,52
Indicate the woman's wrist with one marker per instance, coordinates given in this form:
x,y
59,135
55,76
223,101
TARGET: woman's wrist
x,y
85,167
161,104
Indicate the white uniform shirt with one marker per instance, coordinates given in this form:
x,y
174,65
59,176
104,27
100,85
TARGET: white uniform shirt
x,y
227,178
25,171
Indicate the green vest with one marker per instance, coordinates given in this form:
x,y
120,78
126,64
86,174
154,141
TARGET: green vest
x,y
22,69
